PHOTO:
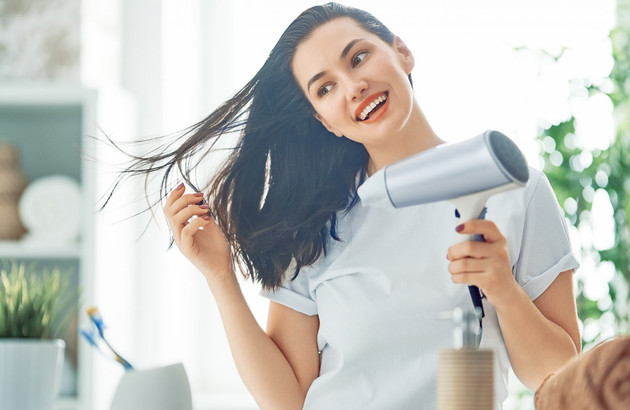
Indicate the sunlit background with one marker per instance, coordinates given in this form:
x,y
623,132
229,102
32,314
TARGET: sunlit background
x,y
158,66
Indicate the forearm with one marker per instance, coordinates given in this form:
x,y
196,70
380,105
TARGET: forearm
x,y
263,368
536,345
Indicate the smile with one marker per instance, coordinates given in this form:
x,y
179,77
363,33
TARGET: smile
x,y
371,106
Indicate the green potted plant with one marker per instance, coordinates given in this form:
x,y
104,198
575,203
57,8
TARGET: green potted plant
x,y
36,307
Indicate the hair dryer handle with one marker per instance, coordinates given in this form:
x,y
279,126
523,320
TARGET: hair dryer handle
x,y
469,207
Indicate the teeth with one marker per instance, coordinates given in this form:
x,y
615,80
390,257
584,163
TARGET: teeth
x,y
371,106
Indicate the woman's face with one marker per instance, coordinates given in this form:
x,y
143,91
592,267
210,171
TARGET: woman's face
x,y
357,83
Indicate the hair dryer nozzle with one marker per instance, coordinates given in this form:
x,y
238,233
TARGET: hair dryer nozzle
x,y
508,157
448,171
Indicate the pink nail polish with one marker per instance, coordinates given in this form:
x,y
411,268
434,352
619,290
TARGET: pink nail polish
x,y
459,228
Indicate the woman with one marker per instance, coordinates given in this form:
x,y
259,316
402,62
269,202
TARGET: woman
x,y
356,292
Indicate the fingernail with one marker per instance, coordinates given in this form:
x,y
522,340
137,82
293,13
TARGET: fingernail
x,y
180,186
459,228
204,206
199,194
206,217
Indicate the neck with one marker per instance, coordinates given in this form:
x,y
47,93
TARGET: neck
x,y
416,137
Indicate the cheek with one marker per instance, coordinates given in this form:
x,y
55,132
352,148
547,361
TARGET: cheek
x,y
331,111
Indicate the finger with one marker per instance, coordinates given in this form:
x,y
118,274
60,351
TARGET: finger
x,y
489,279
183,202
182,217
192,228
484,227
174,195
196,224
467,266
470,249
186,200
466,279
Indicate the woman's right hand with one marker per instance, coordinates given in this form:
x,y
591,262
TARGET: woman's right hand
x,y
199,239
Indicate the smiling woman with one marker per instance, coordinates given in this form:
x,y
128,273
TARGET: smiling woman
x,y
351,87
354,289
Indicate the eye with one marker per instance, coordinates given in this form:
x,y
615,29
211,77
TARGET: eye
x,y
358,58
324,89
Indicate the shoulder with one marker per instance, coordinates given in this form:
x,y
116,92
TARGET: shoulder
x,y
537,182
540,193
536,176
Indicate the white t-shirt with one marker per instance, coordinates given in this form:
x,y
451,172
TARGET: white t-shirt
x,y
381,293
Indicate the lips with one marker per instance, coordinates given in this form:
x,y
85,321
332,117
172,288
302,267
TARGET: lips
x,y
372,107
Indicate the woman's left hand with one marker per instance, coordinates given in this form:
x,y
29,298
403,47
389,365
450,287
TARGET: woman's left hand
x,y
483,264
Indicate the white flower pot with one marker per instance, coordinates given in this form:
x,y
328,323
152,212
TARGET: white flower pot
x,y
31,373
161,388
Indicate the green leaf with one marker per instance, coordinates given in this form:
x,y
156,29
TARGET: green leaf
x,y
35,304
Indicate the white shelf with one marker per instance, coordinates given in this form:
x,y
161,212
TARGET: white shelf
x,y
27,94
21,249
51,125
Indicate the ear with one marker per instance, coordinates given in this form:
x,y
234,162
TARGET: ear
x,y
326,125
406,57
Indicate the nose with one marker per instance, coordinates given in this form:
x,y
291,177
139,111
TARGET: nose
x,y
355,88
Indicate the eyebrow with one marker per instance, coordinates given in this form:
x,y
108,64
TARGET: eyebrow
x,y
343,55
348,47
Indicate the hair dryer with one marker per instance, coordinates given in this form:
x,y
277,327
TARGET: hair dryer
x,y
466,173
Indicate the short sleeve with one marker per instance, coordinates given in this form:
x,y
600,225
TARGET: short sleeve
x,y
545,248
294,294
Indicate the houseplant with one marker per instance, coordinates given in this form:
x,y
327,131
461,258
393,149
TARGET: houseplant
x,y
36,307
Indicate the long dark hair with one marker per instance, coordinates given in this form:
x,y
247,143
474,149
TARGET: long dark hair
x,y
277,196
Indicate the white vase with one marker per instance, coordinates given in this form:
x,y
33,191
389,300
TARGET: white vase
x,y
161,388
30,373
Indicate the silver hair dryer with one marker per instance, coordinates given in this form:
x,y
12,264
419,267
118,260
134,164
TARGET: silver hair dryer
x,y
466,173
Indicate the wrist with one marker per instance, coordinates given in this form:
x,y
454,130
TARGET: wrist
x,y
221,279
511,298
